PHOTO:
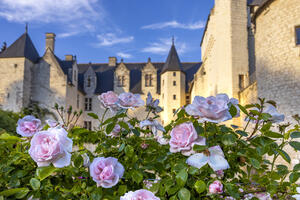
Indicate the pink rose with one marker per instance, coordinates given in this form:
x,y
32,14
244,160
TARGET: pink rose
x,y
106,172
129,100
212,109
216,188
28,126
51,146
263,196
139,195
108,99
183,138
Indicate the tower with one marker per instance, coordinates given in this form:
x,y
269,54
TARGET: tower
x,y
173,84
16,64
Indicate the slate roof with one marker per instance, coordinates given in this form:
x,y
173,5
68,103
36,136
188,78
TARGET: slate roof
x,y
105,75
256,2
172,63
22,47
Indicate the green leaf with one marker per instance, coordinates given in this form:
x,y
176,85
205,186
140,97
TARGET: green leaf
x,y
122,190
129,150
78,162
197,147
184,194
295,134
229,139
137,176
198,128
296,167
255,163
6,136
110,127
136,132
124,125
242,133
273,134
35,183
44,172
294,177
93,115
121,147
243,109
295,145
14,191
284,155
232,110
200,186
181,177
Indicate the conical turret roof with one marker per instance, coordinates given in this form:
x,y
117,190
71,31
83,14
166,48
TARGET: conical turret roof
x,y
172,63
22,47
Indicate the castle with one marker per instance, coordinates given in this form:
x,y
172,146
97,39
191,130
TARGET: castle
x,y
250,49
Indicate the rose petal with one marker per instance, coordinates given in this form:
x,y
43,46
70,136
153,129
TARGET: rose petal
x,y
197,160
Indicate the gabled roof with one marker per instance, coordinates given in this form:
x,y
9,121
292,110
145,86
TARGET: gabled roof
x,y
22,47
172,63
105,75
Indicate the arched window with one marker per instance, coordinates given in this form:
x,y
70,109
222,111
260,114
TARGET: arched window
x,y
121,81
148,80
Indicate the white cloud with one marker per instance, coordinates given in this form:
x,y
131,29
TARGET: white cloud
x,y
76,15
124,55
175,24
110,39
163,46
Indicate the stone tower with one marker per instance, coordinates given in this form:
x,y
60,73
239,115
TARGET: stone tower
x,y
173,84
224,50
16,64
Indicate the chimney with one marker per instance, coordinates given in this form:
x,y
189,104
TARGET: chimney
x,y
69,57
50,41
112,61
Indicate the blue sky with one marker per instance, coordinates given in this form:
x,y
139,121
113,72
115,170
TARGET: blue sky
x,y
93,30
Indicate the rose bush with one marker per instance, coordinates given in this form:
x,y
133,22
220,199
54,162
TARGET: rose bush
x,y
193,157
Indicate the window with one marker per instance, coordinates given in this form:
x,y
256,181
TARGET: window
x,y
297,35
89,81
174,73
174,83
163,96
174,96
187,99
88,125
242,81
148,80
88,104
163,82
121,81
77,101
16,65
174,110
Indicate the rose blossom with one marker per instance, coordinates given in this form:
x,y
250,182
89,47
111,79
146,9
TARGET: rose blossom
x,y
129,100
212,109
297,196
139,195
263,196
276,117
51,146
106,172
183,138
214,157
28,126
216,187
108,100
152,104
153,124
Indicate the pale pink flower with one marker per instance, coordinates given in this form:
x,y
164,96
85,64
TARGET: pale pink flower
x,y
139,195
152,104
297,196
212,109
214,158
129,100
153,124
51,146
144,145
216,188
183,138
263,196
161,140
115,132
108,100
220,173
52,123
106,172
28,126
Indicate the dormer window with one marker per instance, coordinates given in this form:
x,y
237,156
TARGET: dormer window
x,y
75,75
121,81
89,81
148,80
